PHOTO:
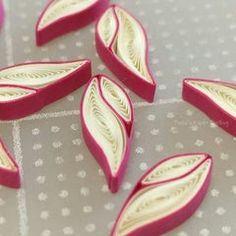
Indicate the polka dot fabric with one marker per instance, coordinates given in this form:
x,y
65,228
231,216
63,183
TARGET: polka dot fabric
x,y
64,191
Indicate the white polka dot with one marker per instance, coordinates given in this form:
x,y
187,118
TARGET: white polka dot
x,y
90,227
204,232
226,229
220,211
44,215
143,166
68,230
229,173
46,233
65,211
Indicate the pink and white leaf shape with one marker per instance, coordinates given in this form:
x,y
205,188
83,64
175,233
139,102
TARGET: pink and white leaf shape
x,y
107,119
217,99
27,88
63,16
122,44
166,196
9,171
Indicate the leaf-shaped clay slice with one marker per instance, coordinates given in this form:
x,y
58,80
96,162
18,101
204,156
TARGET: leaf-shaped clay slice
x,y
1,13
107,124
63,16
27,88
9,171
122,44
215,98
155,208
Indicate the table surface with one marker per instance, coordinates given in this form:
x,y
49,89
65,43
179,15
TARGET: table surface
x,y
63,189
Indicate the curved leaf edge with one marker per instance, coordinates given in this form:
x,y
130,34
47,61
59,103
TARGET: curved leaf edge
x,y
110,47
129,125
201,101
189,208
68,23
42,97
113,181
188,155
121,70
32,90
9,178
